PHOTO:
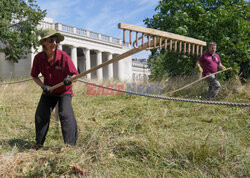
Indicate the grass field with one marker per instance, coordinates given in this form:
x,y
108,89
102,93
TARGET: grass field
x,y
128,136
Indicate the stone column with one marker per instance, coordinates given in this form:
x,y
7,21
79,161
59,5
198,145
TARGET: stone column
x,y
60,46
128,66
32,55
58,26
98,62
87,55
110,67
74,55
120,70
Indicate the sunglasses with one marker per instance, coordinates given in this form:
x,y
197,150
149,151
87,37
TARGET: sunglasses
x,y
51,40
214,58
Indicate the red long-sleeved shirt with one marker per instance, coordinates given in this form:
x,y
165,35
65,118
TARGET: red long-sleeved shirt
x,y
54,72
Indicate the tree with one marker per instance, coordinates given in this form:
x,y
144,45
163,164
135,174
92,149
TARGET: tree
x,y
224,22
18,27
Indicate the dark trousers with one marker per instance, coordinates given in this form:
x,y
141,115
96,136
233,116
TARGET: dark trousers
x,y
214,87
66,115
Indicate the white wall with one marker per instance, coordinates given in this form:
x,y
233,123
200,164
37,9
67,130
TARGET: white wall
x,y
9,69
6,67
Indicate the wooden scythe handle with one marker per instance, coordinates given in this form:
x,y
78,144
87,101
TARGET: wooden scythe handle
x,y
171,92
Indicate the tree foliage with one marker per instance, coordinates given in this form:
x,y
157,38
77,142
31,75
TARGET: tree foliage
x,y
224,22
18,27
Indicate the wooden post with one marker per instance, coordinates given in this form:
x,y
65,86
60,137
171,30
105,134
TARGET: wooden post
x,y
175,46
165,44
160,44
130,37
197,50
149,40
180,46
201,51
185,48
154,41
170,45
189,48
136,38
124,36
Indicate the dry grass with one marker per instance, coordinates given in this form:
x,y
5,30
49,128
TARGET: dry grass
x,y
128,136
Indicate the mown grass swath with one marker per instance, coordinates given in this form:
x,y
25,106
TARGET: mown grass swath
x,y
129,136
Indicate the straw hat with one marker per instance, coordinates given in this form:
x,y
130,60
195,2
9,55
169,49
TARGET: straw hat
x,y
50,32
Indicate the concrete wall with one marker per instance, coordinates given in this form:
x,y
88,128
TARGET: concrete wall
x,y
9,69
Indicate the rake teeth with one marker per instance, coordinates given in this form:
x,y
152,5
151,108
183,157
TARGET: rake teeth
x,y
170,41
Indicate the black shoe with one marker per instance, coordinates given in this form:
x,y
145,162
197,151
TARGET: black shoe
x,y
37,146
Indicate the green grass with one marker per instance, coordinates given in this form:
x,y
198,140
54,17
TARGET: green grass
x,y
128,136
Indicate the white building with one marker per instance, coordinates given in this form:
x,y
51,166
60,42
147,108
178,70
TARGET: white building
x,y
86,48
140,70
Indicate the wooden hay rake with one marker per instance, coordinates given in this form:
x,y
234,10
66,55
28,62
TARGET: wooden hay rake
x,y
149,39
160,39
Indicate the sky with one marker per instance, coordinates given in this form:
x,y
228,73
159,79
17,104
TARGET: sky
x,y
100,16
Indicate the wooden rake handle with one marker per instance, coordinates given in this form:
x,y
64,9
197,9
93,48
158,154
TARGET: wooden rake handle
x,y
116,59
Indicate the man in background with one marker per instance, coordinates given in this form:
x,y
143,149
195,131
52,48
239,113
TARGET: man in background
x,y
210,62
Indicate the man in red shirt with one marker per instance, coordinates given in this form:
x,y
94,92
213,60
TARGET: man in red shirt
x,y
210,62
55,66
